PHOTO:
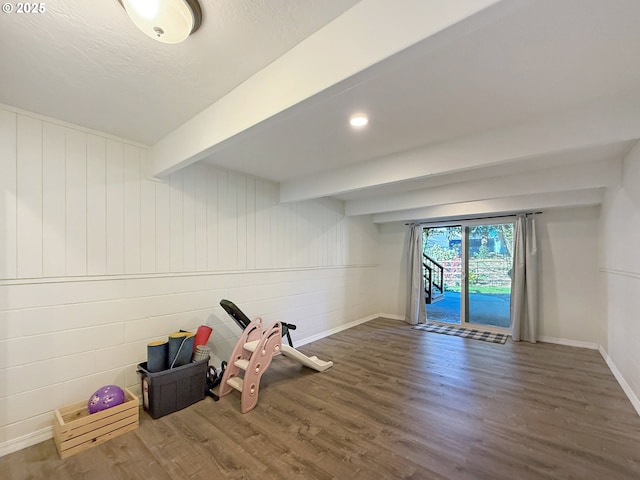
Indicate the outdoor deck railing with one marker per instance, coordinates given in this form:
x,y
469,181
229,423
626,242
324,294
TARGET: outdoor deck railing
x,y
433,278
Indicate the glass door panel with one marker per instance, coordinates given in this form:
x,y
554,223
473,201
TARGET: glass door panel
x,y
489,264
442,247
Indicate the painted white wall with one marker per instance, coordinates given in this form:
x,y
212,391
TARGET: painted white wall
x,y
620,272
570,297
570,300
392,285
96,261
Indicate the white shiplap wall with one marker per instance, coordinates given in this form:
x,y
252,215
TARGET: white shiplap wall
x,y
96,261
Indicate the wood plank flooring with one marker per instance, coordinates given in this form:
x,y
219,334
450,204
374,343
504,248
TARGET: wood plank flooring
x,y
398,404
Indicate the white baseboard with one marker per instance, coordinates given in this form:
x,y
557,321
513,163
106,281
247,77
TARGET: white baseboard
x,y
391,316
633,398
318,336
25,441
569,343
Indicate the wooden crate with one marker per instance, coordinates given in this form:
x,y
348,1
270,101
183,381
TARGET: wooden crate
x,y
75,429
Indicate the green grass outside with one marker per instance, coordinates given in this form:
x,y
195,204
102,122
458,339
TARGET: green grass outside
x,y
482,289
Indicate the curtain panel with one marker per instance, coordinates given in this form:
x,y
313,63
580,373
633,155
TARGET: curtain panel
x,y
416,310
524,282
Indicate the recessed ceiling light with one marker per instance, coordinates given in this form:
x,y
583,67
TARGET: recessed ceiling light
x,y
359,120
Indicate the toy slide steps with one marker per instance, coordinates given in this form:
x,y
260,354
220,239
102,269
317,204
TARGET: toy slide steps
x,y
311,362
252,355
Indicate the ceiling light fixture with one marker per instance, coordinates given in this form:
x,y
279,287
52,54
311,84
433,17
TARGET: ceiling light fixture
x,y
168,21
359,120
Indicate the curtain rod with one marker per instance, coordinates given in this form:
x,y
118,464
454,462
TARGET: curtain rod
x,y
473,218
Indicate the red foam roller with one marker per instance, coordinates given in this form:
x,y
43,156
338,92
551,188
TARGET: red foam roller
x,y
202,336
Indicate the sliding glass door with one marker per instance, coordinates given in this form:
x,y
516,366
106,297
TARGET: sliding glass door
x,y
475,261
489,263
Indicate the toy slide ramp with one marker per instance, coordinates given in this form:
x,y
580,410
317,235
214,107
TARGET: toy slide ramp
x,y
311,362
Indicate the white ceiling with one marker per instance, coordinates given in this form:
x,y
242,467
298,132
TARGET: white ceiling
x,y
519,89
83,61
539,59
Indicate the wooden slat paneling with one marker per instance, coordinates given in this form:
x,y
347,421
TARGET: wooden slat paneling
x,y
96,205
76,201
227,222
54,208
132,220
240,182
212,219
176,222
148,225
163,227
29,195
201,218
189,219
250,223
8,198
115,207
113,221
263,226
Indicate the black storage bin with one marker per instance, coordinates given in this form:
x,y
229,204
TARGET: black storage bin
x,y
171,390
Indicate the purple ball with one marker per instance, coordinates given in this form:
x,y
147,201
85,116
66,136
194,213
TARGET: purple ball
x,y
105,397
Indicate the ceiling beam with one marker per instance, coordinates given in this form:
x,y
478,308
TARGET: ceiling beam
x,y
368,33
499,206
589,175
606,121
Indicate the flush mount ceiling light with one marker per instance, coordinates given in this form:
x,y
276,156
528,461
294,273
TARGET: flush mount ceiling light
x,y
359,120
168,21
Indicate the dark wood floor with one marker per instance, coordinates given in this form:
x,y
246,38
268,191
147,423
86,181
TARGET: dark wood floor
x,y
398,403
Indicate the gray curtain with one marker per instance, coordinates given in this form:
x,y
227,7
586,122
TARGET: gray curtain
x,y
524,281
416,312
